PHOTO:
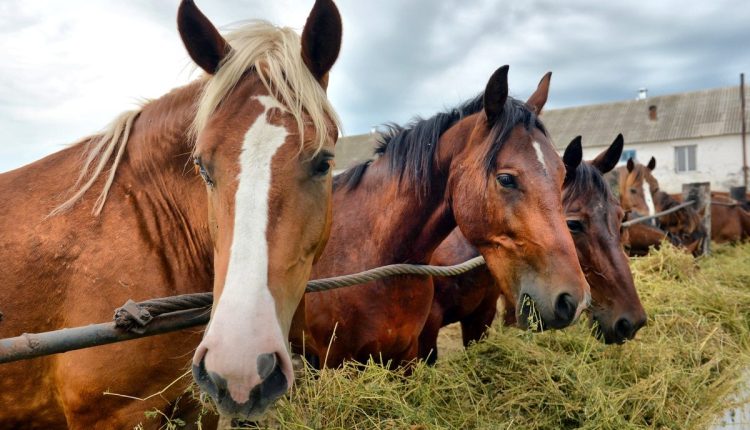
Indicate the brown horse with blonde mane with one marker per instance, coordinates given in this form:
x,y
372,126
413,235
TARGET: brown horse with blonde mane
x,y
260,130
640,195
593,219
487,166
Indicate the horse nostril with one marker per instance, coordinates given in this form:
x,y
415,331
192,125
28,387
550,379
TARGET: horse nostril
x,y
274,383
624,329
565,308
266,364
209,382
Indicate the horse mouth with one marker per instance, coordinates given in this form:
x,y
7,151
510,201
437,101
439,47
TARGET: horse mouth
x,y
529,317
262,396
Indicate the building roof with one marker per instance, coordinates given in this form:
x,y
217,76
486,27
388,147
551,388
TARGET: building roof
x,y
352,150
680,116
713,112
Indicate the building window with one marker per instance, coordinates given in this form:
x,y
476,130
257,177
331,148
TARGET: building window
x,y
627,154
684,158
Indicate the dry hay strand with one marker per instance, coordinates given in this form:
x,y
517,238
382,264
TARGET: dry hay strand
x,y
678,373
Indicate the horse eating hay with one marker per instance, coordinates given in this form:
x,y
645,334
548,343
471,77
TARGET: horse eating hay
x,y
593,218
487,167
260,131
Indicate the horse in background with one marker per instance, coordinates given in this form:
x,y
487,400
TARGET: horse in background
x,y
488,167
639,239
140,224
640,195
593,220
730,219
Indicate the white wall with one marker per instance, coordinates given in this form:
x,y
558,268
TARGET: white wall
x,y
718,160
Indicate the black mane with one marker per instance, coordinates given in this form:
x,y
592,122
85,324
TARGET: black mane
x,y
515,112
589,181
410,150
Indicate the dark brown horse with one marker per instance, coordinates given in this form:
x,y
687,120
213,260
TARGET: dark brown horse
x,y
488,167
640,194
639,239
140,224
593,219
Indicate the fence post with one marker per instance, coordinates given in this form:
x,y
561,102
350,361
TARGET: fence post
x,y
738,193
701,193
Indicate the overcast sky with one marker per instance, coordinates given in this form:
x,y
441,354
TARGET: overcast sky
x,y
68,67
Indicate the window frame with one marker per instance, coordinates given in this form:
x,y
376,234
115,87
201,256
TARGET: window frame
x,y
682,158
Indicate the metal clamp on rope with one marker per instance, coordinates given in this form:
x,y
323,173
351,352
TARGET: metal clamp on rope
x,y
132,317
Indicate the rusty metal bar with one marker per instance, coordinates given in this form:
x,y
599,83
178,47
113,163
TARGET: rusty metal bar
x,y
30,345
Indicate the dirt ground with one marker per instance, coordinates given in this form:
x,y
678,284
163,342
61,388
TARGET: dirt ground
x,y
449,339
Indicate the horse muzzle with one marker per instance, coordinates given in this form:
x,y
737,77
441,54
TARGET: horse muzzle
x,y
273,384
538,316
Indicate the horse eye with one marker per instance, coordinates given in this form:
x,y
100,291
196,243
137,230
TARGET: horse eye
x,y
575,226
203,172
322,166
507,180
633,191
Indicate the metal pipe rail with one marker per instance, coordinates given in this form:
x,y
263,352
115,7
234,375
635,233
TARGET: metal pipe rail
x,y
657,215
159,316
29,345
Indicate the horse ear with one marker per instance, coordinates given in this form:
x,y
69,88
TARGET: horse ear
x,y
202,40
496,94
607,160
651,164
631,164
539,98
321,39
572,158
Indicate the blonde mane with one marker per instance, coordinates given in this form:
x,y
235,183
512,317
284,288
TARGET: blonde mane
x,y
274,53
99,150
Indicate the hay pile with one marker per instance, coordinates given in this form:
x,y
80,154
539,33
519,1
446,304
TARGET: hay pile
x,y
679,372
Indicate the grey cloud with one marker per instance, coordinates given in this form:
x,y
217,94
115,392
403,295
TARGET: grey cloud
x,y
403,58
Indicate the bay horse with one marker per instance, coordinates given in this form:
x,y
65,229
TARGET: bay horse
x,y
140,224
730,221
593,219
640,194
730,218
639,239
487,166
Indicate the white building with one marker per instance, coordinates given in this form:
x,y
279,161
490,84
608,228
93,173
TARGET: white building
x,y
695,137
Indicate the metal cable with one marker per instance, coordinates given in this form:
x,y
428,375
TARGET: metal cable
x,y
134,316
319,285
733,203
657,215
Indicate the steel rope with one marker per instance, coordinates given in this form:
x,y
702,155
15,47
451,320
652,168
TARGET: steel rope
x,y
133,315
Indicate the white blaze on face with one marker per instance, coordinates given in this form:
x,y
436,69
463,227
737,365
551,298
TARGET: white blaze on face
x,y
649,199
539,155
244,324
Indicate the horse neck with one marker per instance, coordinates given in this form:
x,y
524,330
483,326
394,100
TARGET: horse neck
x,y
405,224
157,177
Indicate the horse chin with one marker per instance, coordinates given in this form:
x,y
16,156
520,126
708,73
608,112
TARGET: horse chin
x,y
597,329
604,332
